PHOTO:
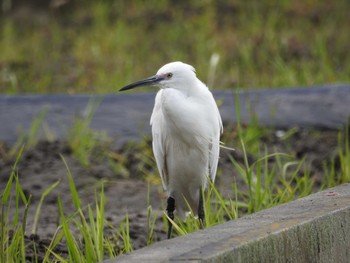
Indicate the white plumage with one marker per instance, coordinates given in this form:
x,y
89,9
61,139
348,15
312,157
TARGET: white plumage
x,y
186,128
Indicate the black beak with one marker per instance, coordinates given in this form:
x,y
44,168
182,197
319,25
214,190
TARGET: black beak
x,y
145,82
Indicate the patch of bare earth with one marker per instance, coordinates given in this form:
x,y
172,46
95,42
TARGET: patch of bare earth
x,y
42,166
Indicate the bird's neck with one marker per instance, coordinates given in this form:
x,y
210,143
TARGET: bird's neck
x,y
190,89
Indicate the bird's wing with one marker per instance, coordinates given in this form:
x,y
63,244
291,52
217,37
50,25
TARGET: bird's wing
x,y
207,132
158,144
214,145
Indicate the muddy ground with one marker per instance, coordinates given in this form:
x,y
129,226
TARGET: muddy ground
x,y
42,166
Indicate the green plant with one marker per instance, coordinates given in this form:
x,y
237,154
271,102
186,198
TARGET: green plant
x,y
91,228
260,44
269,179
84,141
30,139
12,244
334,176
90,246
124,234
150,221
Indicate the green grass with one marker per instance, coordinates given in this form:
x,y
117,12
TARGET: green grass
x,y
107,44
12,245
270,179
31,138
83,140
90,246
334,176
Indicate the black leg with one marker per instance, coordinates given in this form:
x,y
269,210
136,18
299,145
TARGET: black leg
x,y
201,209
170,211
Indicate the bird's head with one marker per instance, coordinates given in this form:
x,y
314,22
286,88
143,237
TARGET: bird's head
x,y
173,75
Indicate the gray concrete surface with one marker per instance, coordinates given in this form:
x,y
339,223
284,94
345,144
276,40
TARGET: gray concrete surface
x,y
312,229
124,116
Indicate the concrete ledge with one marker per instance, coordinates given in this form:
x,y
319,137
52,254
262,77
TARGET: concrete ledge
x,y
126,116
312,229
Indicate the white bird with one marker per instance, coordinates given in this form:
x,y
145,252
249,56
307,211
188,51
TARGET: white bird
x,y
186,129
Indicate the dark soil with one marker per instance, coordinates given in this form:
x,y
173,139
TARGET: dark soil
x,y
42,166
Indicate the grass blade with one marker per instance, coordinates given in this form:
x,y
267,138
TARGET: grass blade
x,y
73,189
72,245
37,213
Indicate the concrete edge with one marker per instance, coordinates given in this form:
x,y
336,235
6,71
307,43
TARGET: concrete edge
x,y
312,229
278,108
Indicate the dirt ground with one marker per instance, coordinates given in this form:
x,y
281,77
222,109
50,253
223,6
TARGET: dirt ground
x,y
42,166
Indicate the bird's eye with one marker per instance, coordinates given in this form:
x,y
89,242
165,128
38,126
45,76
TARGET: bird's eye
x,y
169,75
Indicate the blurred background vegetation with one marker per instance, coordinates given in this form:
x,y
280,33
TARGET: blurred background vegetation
x,y
76,46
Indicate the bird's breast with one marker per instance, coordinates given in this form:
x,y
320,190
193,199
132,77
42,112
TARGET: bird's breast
x,y
184,118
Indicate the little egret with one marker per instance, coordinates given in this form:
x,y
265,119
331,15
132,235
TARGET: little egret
x,y
186,129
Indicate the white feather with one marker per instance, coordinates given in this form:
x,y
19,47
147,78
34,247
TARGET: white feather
x,y
186,128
